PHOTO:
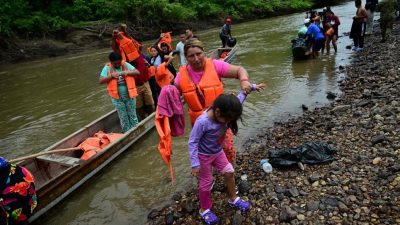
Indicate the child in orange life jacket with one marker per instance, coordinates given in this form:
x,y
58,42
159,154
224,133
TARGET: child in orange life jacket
x,y
205,150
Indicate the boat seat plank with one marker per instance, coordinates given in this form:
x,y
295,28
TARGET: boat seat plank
x,y
60,159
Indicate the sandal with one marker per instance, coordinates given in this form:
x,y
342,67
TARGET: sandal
x,y
209,217
240,204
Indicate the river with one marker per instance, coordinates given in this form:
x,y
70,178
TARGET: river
x,y
43,101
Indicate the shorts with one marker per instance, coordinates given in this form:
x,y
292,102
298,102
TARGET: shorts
x,y
144,95
317,45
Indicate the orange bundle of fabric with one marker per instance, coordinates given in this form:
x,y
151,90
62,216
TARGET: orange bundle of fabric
x,y
91,146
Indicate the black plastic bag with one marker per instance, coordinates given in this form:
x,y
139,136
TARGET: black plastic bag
x,y
231,42
309,153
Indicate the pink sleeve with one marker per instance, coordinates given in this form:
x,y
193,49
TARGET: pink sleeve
x,y
177,79
221,67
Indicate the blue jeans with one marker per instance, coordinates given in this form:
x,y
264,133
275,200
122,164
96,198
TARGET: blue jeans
x,y
126,109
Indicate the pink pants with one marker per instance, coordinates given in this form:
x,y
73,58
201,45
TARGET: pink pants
x,y
207,162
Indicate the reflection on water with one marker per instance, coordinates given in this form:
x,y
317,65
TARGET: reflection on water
x,y
43,101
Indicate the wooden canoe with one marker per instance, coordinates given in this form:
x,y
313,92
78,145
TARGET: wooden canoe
x,y
228,52
57,175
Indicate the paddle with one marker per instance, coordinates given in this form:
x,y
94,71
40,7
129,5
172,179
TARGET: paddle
x,y
44,153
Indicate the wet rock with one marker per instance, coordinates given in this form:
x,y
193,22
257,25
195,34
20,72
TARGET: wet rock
x,y
287,214
377,160
378,139
244,187
169,219
329,201
313,205
292,192
187,206
330,95
237,219
342,207
153,214
279,189
314,178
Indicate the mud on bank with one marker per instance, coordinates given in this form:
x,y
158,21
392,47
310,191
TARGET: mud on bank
x,y
362,186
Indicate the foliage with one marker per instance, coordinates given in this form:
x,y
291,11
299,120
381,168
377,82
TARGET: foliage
x,y
39,17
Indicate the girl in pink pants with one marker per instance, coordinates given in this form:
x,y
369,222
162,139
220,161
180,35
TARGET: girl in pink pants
x,y
205,150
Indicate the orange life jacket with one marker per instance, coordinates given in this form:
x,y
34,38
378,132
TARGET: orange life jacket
x,y
330,32
112,85
152,71
167,39
91,146
209,88
128,46
224,54
163,75
164,145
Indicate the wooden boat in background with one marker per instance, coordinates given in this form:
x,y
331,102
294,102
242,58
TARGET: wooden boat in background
x,y
225,54
57,175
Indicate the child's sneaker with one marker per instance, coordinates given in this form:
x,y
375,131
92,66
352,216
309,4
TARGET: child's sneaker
x,y
209,217
240,204
354,49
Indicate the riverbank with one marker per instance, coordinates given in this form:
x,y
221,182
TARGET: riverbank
x,y
361,186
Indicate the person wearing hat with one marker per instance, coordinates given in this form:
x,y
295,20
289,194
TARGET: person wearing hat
x,y
315,36
225,33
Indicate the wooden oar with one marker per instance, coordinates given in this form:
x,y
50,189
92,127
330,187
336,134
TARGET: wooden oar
x,y
44,153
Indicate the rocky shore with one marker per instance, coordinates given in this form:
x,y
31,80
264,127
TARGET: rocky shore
x,y
362,184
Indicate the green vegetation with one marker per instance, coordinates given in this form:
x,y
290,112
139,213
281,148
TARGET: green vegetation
x,y
37,18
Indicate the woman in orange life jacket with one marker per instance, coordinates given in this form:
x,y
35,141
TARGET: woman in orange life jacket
x,y
130,50
200,83
119,77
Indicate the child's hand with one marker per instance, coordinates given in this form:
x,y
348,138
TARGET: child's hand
x,y
260,87
195,171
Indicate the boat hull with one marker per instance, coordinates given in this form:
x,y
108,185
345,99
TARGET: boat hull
x,y
74,173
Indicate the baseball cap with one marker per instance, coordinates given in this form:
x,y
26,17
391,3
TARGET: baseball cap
x,y
306,21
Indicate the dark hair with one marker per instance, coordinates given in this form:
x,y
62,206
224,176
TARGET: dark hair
x,y
358,2
156,48
230,108
182,32
114,56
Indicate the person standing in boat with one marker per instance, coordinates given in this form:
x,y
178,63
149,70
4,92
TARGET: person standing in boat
x,y
17,193
179,48
200,83
189,34
130,50
225,33
119,77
